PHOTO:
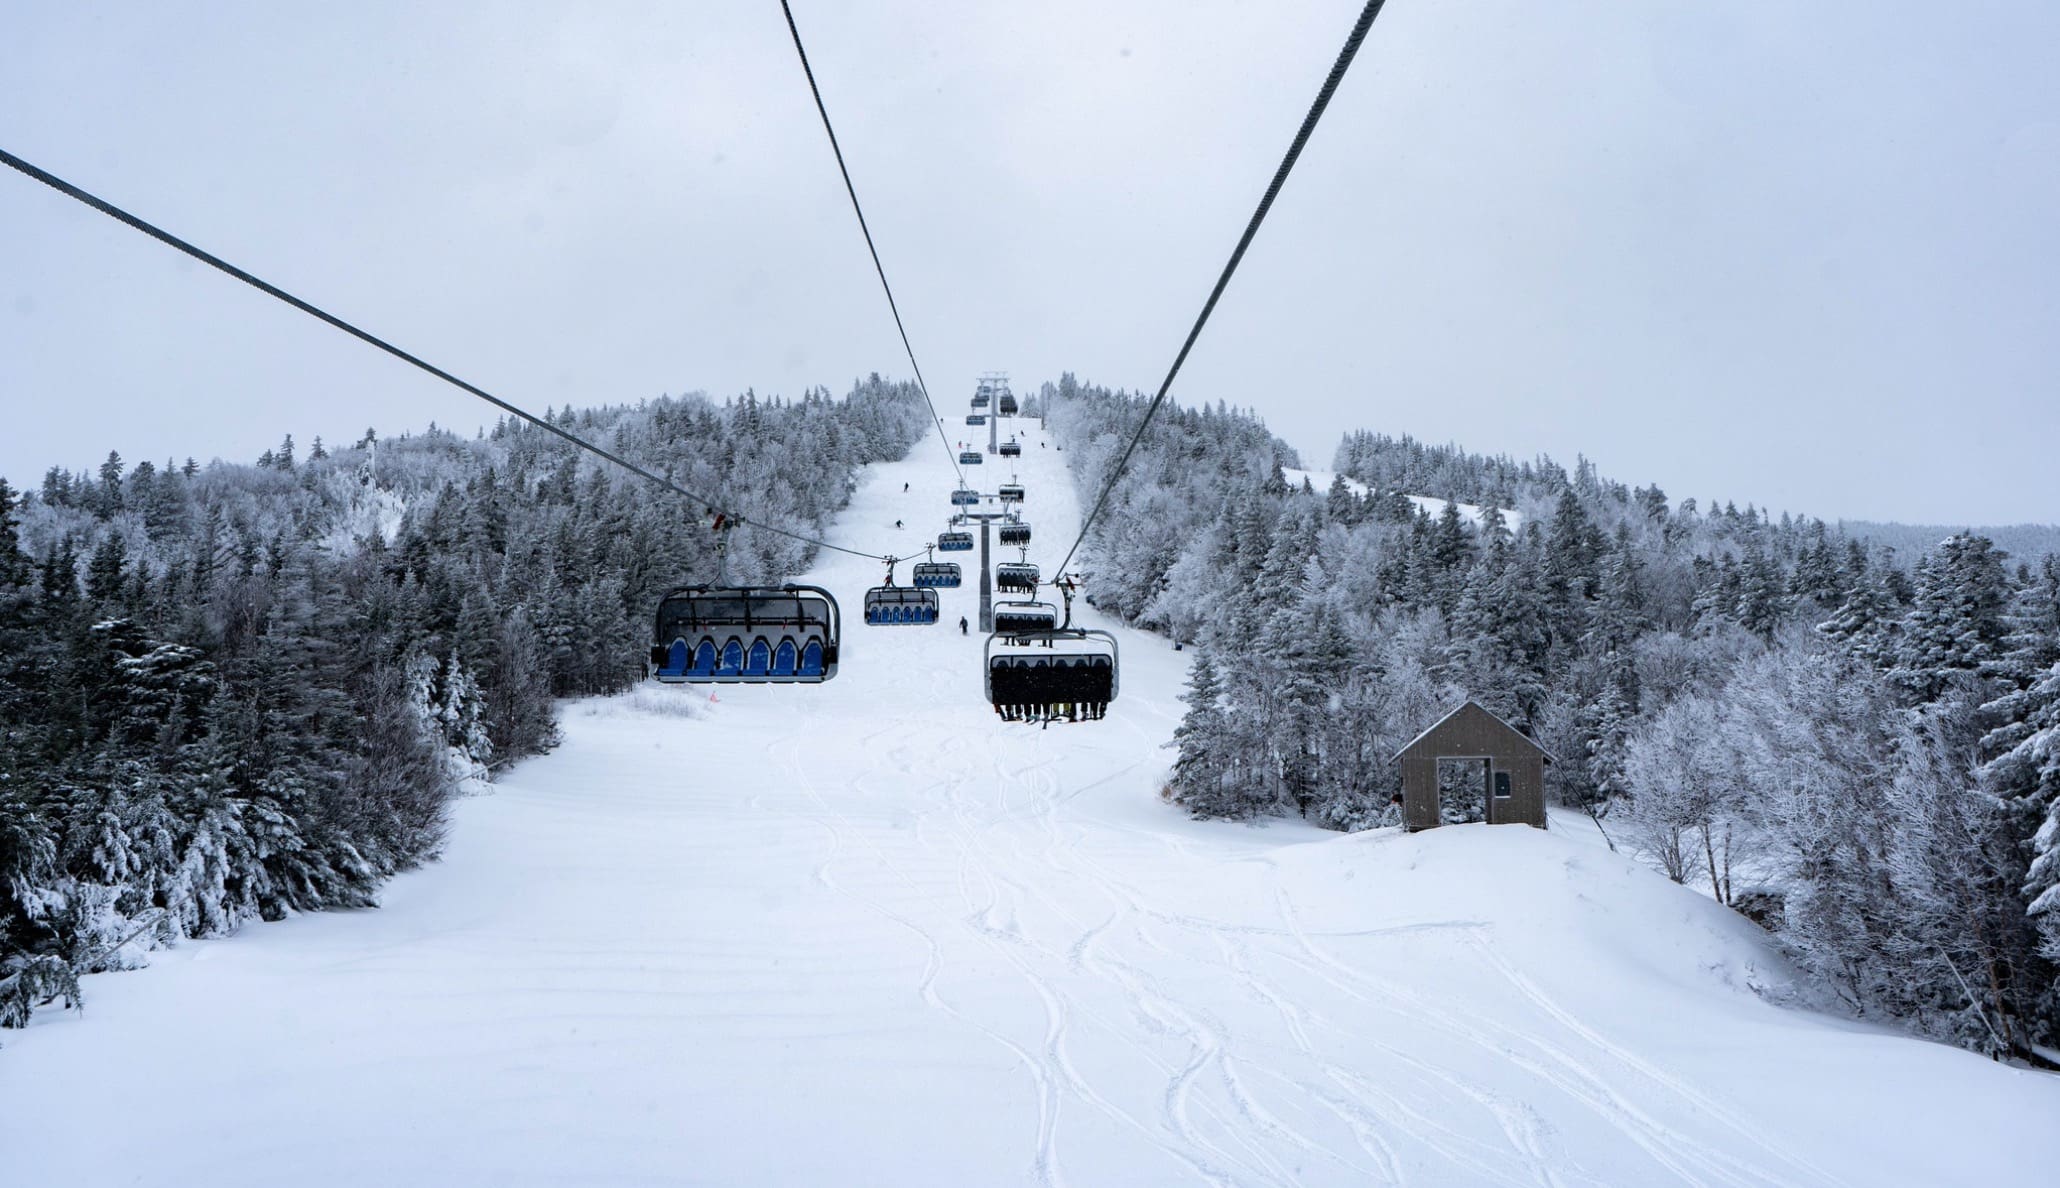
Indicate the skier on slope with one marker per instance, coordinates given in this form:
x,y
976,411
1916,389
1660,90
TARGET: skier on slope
x,y
962,625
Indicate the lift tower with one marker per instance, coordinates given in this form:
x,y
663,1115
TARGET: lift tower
x,y
986,519
997,382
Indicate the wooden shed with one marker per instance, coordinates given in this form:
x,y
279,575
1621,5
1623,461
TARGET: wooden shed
x,y
1471,757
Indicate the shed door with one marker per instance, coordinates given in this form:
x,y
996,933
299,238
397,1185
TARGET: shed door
x,y
1462,791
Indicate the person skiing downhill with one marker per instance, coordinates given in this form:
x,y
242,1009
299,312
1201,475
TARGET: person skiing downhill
x,y
962,625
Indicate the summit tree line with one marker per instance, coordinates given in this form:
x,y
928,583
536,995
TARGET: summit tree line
x,y
232,692
1859,750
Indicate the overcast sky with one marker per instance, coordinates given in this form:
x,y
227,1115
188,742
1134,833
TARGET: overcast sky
x,y
1799,253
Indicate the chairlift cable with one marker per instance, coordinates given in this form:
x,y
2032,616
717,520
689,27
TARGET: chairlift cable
x,y
216,262
867,230
1287,164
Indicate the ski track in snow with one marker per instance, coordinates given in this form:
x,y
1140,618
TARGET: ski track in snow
x,y
868,933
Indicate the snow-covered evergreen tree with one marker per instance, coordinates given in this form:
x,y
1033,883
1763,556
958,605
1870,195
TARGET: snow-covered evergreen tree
x,y
1956,622
1199,778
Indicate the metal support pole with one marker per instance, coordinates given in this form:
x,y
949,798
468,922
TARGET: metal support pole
x,y
986,579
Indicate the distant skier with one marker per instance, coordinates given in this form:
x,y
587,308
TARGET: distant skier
x,y
904,488
962,625
897,523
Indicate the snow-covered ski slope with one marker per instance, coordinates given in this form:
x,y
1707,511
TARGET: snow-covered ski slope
x,y
866,933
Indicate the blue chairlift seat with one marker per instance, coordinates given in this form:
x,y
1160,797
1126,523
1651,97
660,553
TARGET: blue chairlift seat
x,y
971,457
900,606
772,634
943,575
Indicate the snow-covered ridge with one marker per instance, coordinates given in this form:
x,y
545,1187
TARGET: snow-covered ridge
x,y
1322,479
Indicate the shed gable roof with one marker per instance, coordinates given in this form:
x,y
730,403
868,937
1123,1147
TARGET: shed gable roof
x,y
1478,708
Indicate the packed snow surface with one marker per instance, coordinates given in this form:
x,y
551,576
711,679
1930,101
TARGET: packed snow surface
x,y
867,933
1322,479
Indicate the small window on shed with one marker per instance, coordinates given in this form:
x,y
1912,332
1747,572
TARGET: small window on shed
x,y
1501,785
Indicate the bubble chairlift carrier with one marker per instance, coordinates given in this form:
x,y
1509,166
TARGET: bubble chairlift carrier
x,y
1066,673
1007,403
900,606
976,418
731,634
1025,616
942,575
1013,532
971,458
1010,493
756,634
1012,449
1017,577
964,497
954,542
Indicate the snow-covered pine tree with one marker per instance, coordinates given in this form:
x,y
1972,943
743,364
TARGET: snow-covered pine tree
x,y
1868,624
1199,773
1956,621
2028,775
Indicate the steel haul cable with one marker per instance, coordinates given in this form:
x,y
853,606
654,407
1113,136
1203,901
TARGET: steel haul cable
x,y
1316,109
165,237
852,190
1287,164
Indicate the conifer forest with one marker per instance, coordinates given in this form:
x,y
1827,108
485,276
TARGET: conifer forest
x,y
1858,749
234,691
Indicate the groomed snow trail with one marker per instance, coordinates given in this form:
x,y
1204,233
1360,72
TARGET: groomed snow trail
x,y
866,933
